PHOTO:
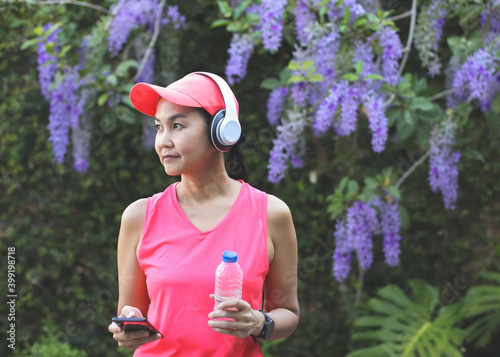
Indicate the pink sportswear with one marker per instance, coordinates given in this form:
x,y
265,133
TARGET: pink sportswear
x,y
179,262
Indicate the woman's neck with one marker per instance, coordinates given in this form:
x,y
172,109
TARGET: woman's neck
x,y
206,187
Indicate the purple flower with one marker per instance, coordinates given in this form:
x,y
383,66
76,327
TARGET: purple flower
x,y
65,111
337,12
148,71
130,15
363,52
326,53
476,78
81,137
348,111
490,22
378,122
239,51
271,23
328,107
428,34
390,224
361,223
174,17
443,161
275,104
289,145
392,52
343,252
300,92
303,18
47,63
356,232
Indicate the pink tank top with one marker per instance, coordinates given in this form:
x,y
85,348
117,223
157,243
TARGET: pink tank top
x,y
179,262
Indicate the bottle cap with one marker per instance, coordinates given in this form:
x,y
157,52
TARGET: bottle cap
x,y
229,256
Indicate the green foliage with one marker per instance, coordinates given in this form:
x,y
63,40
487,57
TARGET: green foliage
x,y
482,311
416,326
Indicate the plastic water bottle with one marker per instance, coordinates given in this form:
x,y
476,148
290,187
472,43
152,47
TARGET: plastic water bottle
x,y
228,278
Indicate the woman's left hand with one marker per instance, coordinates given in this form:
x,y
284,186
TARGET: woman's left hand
x,y
244,320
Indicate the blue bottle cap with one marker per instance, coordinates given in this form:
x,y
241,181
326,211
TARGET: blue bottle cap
x,y
229,256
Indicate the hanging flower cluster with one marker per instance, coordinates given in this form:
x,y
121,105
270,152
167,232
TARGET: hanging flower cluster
x,y
428,34
443,173
68,92
355,233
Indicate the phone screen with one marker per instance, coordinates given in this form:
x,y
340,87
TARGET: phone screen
x,y
135,324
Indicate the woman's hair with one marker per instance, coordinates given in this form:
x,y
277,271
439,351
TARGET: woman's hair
x,y
233,159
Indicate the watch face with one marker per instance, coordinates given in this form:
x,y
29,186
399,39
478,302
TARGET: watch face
x,y
269,330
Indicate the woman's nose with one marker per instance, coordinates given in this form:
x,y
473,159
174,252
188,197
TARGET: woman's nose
x,y
164,139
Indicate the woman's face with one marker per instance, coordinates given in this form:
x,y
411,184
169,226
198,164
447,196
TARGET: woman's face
x,y
182,141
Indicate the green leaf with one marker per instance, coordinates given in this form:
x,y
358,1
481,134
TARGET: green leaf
x,y
28,44
421,103
220,23
473,154
112,79
360,22
482,310
316,78
371,183
347,15
241,7
224,8
404,130
293,66
352,188
351,77
122,69
410,118
270,83
495,104
402,325
38,30
307,64
64,51
393,191
373,76
103,98
359,67
296,79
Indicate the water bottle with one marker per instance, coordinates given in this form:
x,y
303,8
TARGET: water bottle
x,y
228,278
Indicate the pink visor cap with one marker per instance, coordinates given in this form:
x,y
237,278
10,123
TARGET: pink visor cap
x,y
193,90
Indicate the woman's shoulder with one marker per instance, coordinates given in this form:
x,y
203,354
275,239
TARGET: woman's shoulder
x,y
135,212
277,210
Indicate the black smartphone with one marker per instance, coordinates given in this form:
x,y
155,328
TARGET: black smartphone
x,y
135,324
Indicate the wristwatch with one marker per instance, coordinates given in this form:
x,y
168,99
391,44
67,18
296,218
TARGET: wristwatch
x,y
267,330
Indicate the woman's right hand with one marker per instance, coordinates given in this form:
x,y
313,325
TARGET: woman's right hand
x,y
131,340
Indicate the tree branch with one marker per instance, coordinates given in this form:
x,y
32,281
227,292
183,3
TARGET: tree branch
x,y
412,168
441,94
400,16
359,289
154,38
73,2
413,12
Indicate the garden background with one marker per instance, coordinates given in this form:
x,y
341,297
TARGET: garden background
x,y
418,138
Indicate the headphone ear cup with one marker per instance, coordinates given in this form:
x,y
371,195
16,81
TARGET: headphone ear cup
x,y
215,131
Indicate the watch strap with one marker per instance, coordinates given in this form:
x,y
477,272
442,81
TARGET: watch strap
x,y
268,321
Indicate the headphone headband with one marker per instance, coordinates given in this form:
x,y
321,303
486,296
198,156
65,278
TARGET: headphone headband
x,y
227,95
228,130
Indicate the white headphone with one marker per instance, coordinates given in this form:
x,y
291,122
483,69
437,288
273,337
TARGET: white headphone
x,y
225,129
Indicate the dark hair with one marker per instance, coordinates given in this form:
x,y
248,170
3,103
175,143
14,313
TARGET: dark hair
x,y
233,159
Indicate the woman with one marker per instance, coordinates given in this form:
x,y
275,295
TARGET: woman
x,y
171,243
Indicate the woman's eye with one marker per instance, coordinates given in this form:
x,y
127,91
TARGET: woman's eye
x,y
158,127
177,126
